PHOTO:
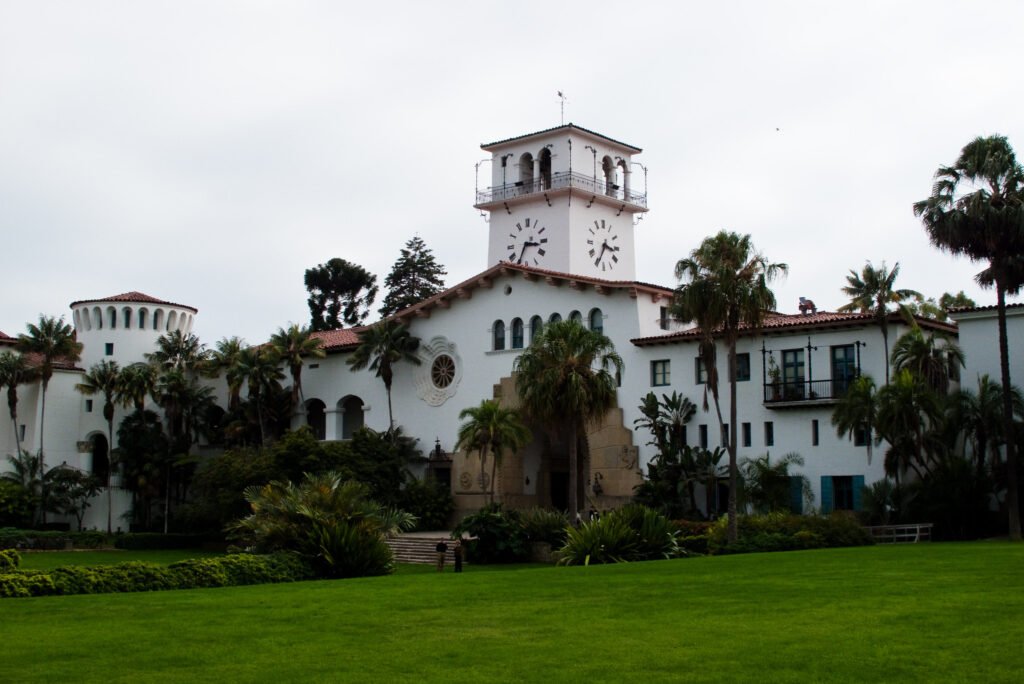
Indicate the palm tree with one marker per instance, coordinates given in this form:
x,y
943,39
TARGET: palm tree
x,y
224,358
50,341
857,411
767,486
138,381
936,364
872,292
292,345
979,416
976,209
725,288
178,351
908,412
491,428
14,370
27,471
259,367
564,379
381,346
105,378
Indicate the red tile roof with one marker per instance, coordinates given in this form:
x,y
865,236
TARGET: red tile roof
x,y
137,297
775,321
992,307
339,340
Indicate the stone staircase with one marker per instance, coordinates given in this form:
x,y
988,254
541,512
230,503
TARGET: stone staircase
x,y
419,548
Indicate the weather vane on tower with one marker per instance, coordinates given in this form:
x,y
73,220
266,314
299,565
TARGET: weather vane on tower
x,y
562,99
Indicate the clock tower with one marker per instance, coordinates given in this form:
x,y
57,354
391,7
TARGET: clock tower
x,y
564,200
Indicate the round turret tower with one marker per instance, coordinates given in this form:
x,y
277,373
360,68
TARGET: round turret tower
x,y
125,327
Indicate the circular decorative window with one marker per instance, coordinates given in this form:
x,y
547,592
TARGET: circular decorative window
x,y
442,371
438,377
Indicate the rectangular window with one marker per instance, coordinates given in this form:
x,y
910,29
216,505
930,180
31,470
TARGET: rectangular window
x,y
725,436
88,405
793,374
110,348
686,437
742,367
842,493
844,368
860,437
660,373
700,371
814,432
702,436
314,366
769,433
745,428
663,318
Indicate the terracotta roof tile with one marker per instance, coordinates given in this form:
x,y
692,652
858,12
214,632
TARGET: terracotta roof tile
x,y
137,297
336,340
993,307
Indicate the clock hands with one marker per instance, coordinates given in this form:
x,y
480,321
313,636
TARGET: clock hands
x,y
522,252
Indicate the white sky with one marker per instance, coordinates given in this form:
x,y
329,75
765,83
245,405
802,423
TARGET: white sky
x,y
209,152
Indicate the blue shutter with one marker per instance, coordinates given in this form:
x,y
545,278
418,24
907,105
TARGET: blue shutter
x,y
796,494
858,491
826,494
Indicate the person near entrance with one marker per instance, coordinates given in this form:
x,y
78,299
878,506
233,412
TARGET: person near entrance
x,y
457,553
441,549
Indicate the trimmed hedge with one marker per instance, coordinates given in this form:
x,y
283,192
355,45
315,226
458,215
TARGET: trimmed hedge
x,y
224,571
12,538
788,532
156,541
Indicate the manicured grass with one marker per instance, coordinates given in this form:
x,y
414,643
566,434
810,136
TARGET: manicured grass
x,y
47,560
929,612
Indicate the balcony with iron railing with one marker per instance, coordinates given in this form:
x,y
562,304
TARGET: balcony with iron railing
x,y
779,394
561,181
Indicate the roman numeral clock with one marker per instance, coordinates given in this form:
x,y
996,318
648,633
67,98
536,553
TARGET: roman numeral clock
x,y
562,200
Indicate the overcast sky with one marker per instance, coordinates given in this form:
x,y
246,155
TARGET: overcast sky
x,y
209,152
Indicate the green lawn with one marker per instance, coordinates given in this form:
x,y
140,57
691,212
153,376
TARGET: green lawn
x,y
930,612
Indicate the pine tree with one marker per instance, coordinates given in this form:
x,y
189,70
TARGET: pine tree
x,y
415,276
340,292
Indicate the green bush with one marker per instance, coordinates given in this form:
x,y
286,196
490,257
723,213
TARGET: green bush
x,y
9,560
11,538
155,541
496,535
786,532
545,525
224,571
16,504
429,501
631,533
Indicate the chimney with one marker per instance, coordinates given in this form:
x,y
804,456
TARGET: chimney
x,y
807,307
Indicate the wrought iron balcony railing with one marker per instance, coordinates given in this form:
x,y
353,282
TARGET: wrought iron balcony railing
x,y
559,181
806,390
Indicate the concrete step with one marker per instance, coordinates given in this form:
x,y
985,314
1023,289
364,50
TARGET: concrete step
x,y
420,549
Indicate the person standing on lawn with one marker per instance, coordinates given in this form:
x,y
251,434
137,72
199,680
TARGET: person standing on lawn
x,y
441,549
457,553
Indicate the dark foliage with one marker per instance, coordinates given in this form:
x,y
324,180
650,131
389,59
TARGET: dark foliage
x,y
497,535
415,276
430,502
340,292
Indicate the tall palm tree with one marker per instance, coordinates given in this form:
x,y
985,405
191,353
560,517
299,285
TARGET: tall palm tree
x,y
381,346
491,428
725,287
908,412
14,370
564,379
857,411
105,378
292,345
259,366
872,292
224,358
51,340
979,416
138,381
935,359
178,351
976,209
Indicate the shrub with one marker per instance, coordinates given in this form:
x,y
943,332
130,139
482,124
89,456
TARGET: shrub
x,y
631,533
9,560
545,525
430,501
496,535
155,541
16,504
785,532
11,538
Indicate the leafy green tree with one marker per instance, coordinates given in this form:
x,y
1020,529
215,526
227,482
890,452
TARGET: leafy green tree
x,y
50,341
415,276
292,345
145,456
872,292
908,413
331,522
339,292
936,359
16,505
725,288
939,310
956,301
767,486
666,419
137,381
224,359
27,472
68,492
263,376
565,379
14,371
857,412
491,428
976,209
381,346
672,473
104,378
178,351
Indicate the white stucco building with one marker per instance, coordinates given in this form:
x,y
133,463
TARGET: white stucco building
x,y
563,207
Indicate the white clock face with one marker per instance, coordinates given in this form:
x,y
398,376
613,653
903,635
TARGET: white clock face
x,y
602,245
527,243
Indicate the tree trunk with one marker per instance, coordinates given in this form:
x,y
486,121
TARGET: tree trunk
x,y
733,469
573,474
494,473
42,458
110,469
1012,500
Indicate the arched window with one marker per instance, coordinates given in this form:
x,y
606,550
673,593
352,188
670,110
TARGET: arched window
x,y
555,318
545,168
352,416
316,418
126,313
100,468
525,173
97,316
576,317
536,325
112,317
608,167
78,321
172,321
158,319
597,321
142,318
517,333
499,335
625,178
